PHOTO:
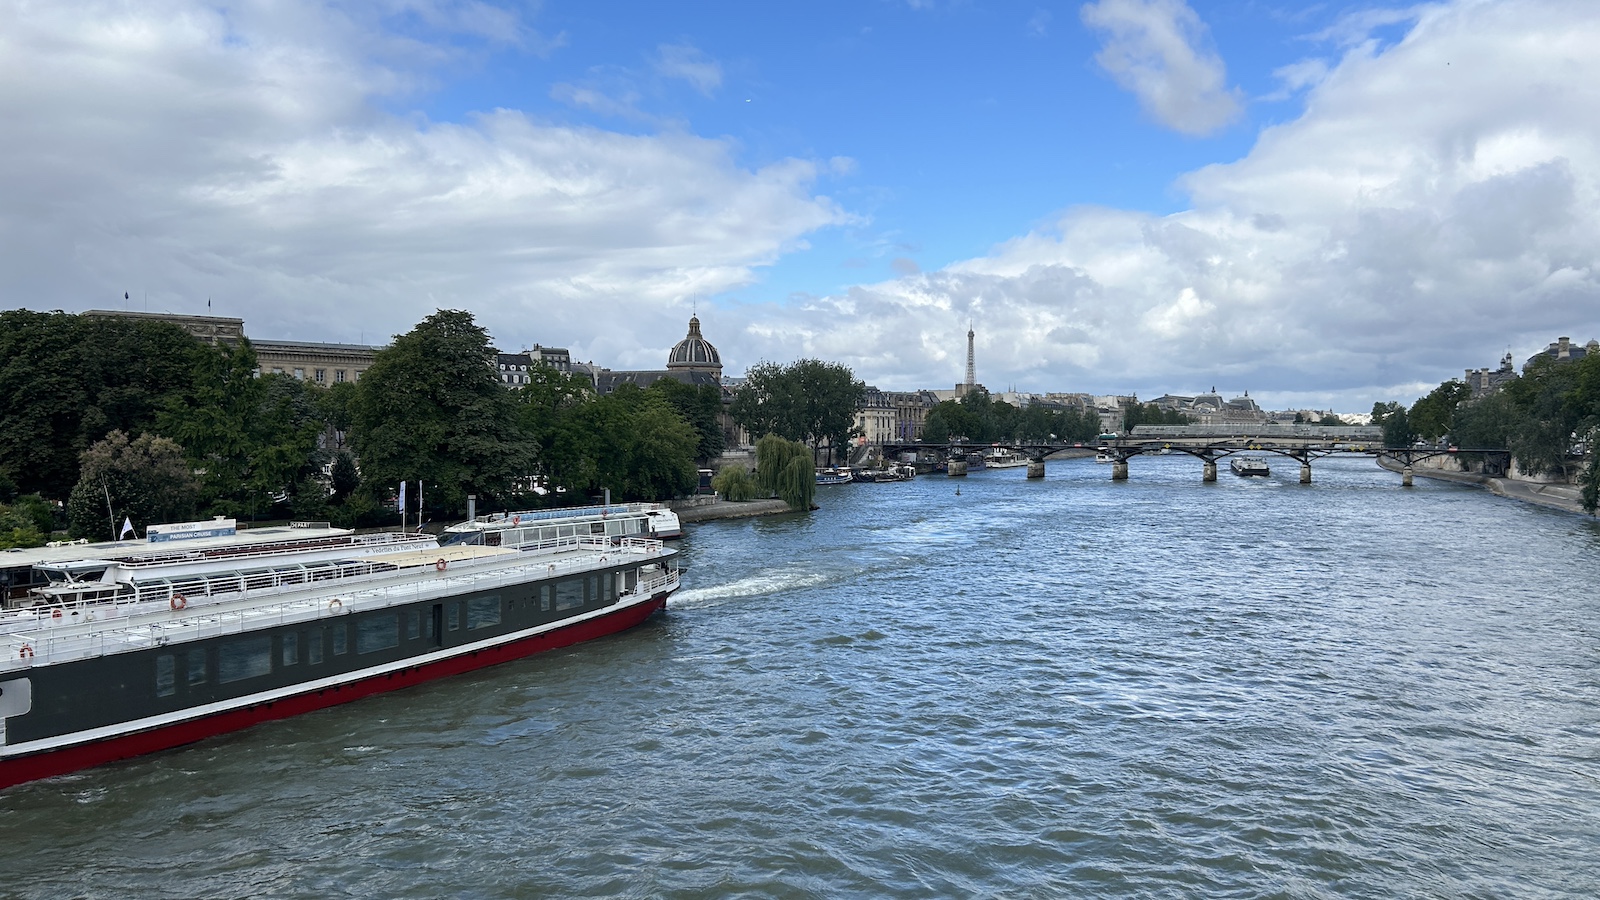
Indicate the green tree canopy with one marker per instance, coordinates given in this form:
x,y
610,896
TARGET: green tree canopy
x,y
700,405
147,480
69,380
809,401
430,408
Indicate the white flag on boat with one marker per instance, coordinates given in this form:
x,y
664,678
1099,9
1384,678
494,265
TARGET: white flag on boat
x,y
127,528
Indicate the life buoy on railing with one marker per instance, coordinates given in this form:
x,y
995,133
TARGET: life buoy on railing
x,y
441,565
26,652
55,613
335,603
178,602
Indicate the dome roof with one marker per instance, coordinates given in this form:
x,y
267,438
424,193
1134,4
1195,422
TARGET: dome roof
x,y
694,351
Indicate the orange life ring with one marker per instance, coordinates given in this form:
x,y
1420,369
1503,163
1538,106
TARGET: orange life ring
x,y
441,565
55,613
335,603
26,652
178,602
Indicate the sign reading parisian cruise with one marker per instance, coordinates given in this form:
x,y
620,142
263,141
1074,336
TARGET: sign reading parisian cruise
x,y
188,531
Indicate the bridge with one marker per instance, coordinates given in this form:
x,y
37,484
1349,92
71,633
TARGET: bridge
x,y
1209,443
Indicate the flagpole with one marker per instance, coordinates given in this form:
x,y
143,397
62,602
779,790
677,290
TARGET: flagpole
x,y
109,514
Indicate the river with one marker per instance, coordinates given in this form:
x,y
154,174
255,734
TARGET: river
x,y
1066,687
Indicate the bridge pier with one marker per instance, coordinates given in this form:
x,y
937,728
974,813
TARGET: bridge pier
x,y
1036,468
1209,473
956,468
1119,470
1305,473
1405,477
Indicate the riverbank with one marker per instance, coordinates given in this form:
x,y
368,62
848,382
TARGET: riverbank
x,y
1565,497
723,509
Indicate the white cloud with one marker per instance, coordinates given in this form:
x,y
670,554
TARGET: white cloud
x,y
1437,201
687,63
1156,49
243,154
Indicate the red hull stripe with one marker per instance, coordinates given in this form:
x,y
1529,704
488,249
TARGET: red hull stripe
x,y
82,756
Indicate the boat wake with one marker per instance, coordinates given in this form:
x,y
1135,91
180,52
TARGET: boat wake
x,y
754,586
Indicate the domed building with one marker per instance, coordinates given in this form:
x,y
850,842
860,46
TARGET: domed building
x,y
695,354
693,360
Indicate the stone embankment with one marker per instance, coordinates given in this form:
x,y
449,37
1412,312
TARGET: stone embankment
x,y
699,509
1566,497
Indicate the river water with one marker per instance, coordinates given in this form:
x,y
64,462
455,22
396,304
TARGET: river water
x,y
1057,688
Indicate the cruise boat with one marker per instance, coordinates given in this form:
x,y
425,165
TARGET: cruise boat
x,y
1105,456
1249,465
1003,458
122,654
840,475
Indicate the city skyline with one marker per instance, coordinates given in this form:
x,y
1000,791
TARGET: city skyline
x,y
1327,207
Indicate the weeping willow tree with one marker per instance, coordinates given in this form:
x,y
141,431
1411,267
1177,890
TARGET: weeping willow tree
x,y
734,483
784,468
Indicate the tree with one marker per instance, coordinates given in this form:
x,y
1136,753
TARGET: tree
x,y
70,380
1135,414
700,405
734,483
1433,416
784,469
632,442
26,522
1397,429
809,401
147,480
430,408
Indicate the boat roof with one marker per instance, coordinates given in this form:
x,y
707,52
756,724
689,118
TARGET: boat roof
x,y
74,551
558,516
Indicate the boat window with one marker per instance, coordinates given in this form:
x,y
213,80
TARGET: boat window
x,y
413,625
597,528
197,666
544,598
609,581
341,639
290,651
592,583
314,648
241,659
569,594
379,632
166,675
492,539
455,616
483,612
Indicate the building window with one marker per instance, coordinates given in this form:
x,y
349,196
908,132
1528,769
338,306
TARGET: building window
x,y
321,376
299,374
338,376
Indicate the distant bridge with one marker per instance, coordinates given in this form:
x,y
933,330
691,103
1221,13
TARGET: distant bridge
x,y
1210,443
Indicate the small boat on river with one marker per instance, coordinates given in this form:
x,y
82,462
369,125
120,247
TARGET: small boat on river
x,y
1249,466
1004,458
838,475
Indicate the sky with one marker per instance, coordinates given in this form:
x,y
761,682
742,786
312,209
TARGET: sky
x,y
1324,204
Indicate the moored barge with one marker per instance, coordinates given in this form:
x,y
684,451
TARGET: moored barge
x,y
119,657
